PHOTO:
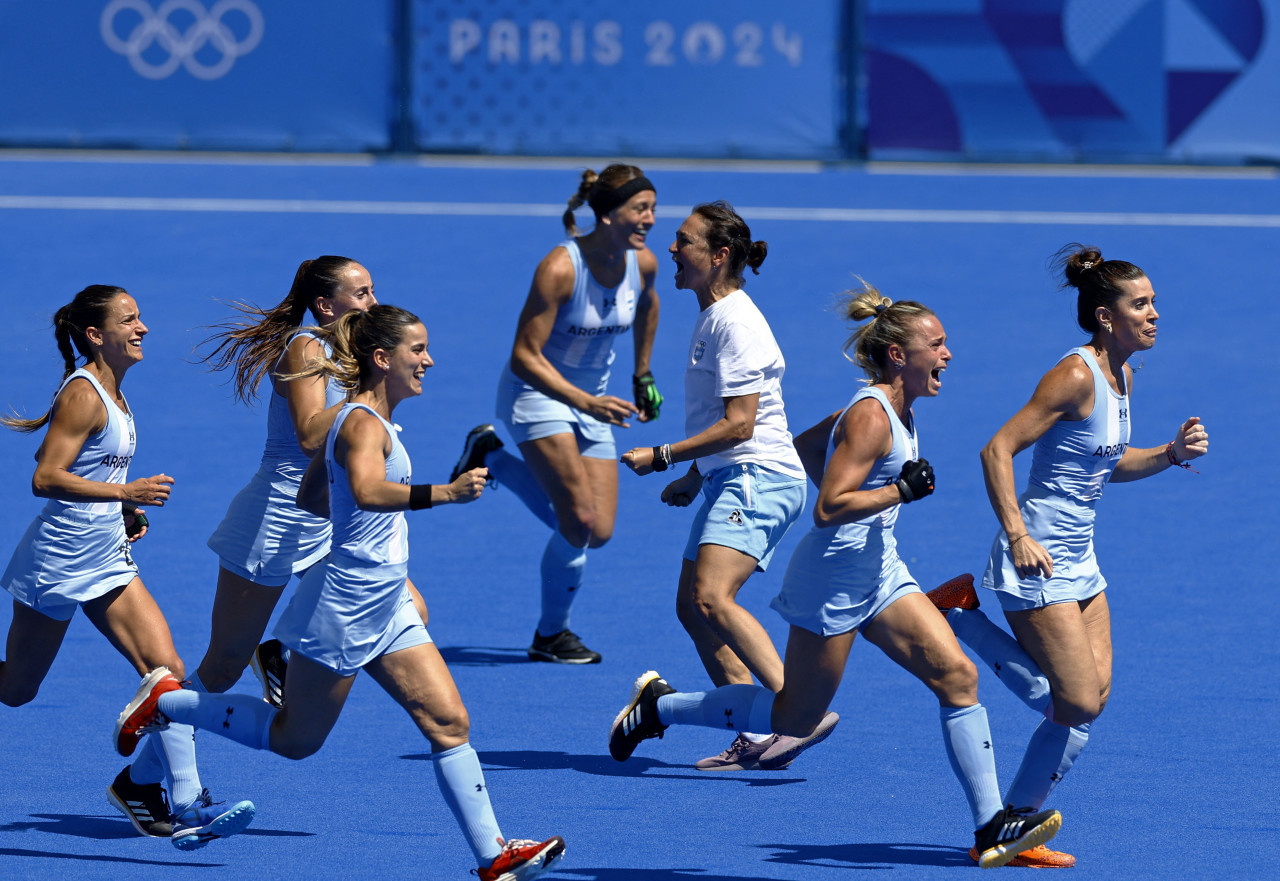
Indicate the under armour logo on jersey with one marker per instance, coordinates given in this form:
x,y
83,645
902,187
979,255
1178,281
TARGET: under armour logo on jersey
x,y
226,723
728,718
986,744
736,517
479,787
1055,777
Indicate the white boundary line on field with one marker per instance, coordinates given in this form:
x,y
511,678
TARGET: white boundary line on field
x,y
533,209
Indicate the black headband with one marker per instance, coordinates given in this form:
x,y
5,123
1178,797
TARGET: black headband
x,y
603,201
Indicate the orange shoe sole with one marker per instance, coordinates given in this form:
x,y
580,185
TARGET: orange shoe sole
x,y
1038,857
958,593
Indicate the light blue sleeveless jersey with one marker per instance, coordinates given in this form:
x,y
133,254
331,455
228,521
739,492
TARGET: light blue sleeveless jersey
x,y
281,454
355,606
371,536
1076,459
74,552
1070,465
841,577
587,324
265,537
105,457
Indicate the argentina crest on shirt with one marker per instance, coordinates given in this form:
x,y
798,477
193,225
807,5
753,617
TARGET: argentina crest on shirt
x,y
698,350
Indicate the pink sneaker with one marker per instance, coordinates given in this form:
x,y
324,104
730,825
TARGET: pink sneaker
x,y
742,755
785,749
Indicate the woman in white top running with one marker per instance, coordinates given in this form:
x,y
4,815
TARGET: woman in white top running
x,y
76,554
1042,564
743,462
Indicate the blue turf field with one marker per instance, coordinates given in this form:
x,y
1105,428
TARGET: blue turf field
x,y
1181,775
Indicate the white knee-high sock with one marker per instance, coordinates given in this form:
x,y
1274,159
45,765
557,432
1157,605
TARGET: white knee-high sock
x,y
562,569
462,785
1001,652
729,706
1050,754
967,736
239,717
512,472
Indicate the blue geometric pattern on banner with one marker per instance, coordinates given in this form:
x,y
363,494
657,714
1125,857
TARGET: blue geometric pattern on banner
x,y
1109,78
748,78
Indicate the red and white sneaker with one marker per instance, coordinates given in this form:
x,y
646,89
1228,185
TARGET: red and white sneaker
x,y
142,715
522,860
958,593
1038,857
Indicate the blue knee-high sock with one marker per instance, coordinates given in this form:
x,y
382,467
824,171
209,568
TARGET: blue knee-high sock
x,y
462,785
1001,652
512,472
968,740
562,567
149,766
1050,754
239,717
740,708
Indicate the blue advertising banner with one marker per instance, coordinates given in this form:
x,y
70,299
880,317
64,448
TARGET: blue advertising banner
x,y
206,74
1173,80
749,78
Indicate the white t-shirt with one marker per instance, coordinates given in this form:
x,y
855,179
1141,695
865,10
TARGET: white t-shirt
x,y
733,353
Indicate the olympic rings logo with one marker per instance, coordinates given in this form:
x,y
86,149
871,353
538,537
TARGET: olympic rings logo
x,y
192,48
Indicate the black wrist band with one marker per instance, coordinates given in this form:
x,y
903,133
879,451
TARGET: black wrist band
x,y
419,496
662,457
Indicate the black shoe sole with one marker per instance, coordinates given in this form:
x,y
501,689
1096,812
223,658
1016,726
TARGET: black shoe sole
x,y
549,658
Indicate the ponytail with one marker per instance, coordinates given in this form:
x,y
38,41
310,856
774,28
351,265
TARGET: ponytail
x,y
253,347
90,308
888,323
353,339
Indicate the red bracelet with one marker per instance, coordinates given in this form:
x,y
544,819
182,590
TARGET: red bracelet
x,y
1173,460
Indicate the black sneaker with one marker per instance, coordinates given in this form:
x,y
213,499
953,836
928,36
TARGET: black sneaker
x,y
1012,831
639,718
481,441
564,648
143,803
269,666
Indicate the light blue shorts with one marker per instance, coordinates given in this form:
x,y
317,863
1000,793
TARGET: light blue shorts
x,y
747,508
531,415
345,615
61,563
1062,527
831,588
265,537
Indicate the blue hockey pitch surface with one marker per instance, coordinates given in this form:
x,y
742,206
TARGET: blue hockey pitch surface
x,y
1180,776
